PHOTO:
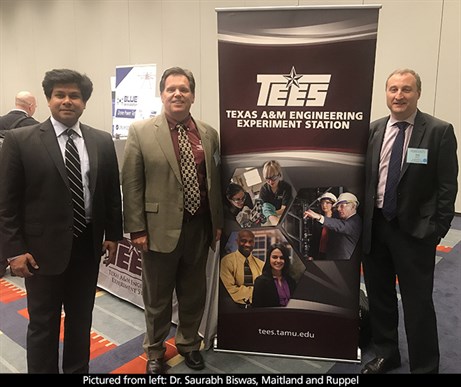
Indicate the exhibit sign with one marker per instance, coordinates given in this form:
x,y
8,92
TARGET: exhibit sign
x,y
295,88
135,97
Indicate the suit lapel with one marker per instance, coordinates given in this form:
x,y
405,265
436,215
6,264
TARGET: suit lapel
x,y
416,137
377,144
162,132
206,144
48,137
92,149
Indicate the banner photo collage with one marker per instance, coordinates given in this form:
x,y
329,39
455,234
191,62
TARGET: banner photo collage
x,y
295,87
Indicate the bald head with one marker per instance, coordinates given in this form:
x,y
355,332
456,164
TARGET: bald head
x,y
26,101
245,242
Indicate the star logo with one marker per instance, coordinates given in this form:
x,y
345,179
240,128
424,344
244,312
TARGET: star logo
x,y
292,78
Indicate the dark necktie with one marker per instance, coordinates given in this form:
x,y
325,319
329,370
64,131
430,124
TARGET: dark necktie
x,y
188,172
247,274
393,173
74,175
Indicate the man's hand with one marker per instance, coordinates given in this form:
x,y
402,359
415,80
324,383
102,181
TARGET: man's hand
x,y
20,265
140,243
218,234
109,248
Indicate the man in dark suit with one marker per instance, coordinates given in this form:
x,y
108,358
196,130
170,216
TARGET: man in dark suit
x,y
39,236
344,231
174,238
25,105
404,224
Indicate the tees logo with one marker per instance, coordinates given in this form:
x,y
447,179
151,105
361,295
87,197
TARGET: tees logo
x,y
293,89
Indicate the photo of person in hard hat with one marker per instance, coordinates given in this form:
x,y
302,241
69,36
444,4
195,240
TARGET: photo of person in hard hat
x,y
344,231
319,240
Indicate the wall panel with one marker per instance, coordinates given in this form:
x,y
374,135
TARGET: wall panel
x,y
94,36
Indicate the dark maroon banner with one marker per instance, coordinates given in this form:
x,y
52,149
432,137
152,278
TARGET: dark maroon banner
x,y
295,87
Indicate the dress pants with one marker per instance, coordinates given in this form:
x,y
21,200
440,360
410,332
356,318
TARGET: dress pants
x,y
183,270
396,253
71,293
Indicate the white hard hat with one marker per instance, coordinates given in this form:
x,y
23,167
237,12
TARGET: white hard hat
x,y
347,197
329,196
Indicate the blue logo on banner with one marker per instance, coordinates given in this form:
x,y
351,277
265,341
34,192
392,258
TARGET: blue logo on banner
x,y
125,113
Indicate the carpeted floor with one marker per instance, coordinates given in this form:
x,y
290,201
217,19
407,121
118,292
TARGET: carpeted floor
x,y
118,332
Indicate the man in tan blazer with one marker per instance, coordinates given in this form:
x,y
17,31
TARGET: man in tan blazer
x,y
174,241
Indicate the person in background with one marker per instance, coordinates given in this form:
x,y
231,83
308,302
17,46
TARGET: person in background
x,y
319,243
236,200
173,232
404,221
239,270
25,105
275,286
237,211
58,255
344,231
276,193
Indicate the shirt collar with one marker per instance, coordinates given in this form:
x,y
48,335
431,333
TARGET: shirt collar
x,y
410,120
172,123
60,128
20,110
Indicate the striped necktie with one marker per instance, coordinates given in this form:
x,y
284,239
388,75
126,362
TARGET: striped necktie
x,y
247,274
74,175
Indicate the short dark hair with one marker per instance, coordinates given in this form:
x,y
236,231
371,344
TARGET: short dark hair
x,y
64,77
178,71
267,269
233,189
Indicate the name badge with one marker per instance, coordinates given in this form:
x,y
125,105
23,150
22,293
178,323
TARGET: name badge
x,y
417,156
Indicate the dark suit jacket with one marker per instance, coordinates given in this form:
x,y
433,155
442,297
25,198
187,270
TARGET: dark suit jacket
x,y
265,293
426,192
35,201
8,119
342,237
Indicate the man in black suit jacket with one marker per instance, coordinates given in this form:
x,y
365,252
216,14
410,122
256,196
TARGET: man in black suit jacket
x,y
37,222
403,242
21,115
345,230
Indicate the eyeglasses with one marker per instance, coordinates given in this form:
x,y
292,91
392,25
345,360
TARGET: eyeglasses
x,y
272,178
238,200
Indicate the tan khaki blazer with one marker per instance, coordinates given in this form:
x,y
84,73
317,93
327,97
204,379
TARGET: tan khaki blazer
x,y
152,186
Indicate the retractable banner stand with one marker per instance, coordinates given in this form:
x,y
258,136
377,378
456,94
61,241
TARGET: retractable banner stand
x,y
295,87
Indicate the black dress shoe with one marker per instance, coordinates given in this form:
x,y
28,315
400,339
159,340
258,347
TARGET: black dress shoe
x,y
380,365
155,367
194,360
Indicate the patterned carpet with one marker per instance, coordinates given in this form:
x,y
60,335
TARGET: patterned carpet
x,y
118,332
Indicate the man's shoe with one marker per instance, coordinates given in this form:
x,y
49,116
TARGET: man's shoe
x,y
194,360
155,367
380,365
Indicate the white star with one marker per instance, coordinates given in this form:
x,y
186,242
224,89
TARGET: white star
x,y
292,78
